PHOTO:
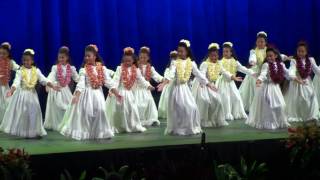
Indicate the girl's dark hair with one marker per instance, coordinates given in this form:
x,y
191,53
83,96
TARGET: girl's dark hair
x,y
6,48
146,50
274,50
263,37
211,50
65,50
189,51
93,49
305,45
233,52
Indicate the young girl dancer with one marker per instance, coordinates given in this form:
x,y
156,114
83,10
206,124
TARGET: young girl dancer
x,y
6,65
147,108
163,102
23,116
86,117
209,102
58,101
183,114
267,110
256,58
125,115
231,98
301,99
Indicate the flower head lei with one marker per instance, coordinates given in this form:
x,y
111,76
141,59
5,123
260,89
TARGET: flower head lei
x,y
31,51
145,49
128,50
6,44
186,42
214,45
95,47
228,43
262,33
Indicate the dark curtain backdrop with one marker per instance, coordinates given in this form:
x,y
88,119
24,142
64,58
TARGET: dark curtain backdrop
x,y
45,25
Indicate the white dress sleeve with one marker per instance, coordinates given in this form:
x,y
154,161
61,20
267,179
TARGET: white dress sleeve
x,y
171,72
314,66
17,79
41,78
14,65
141,79
292,73
75,75
203,68
155,75
244,69
52,75
252,57
116,77
82,80
264,72
108,82
195,71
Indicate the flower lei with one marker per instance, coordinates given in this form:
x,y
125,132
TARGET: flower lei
x,y
5,68
147,74
230,65
64,81
31,82
304,70
261,55
184,73
213,71
276,72
96,81
127,81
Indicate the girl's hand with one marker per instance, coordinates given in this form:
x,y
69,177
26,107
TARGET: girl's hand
x,y
9,93
47,89
258,83
235,78
119,98
161,86
151,88
56,88
299,81
212,87
75,99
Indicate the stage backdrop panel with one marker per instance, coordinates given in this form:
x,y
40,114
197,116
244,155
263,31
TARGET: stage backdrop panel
x,y
45,25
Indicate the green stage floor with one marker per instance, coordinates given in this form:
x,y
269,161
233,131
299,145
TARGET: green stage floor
x,y
56,143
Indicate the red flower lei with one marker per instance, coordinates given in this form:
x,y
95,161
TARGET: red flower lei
x,y
127,81
276,73
5,70
64,81
96,81
304,70
147,74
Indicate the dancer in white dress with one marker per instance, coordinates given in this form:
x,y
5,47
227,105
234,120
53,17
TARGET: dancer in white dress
x,y
256,58
316,85
125,115
232,102
267,110
183,114
301,98
23,115
57,101
6,66
209,102
147,108
86,118
163,102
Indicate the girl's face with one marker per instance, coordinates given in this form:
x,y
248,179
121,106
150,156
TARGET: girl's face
x,y
302,52
127,61
90,57
261,43
143,58
27,61
227,52
62,59
182,52
213,56
4,54
271,56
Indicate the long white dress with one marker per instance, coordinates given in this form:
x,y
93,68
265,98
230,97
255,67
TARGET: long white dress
x,y
267,110
183,116
125,115
3,91
316,85
301,100
209,102
147,108
247,87
58,101
23,115
87,119
163,101
232,102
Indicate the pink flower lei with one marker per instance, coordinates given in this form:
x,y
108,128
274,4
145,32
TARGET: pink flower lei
x,y
304,70
64,81
276,71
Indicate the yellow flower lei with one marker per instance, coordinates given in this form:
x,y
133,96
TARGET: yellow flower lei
x,y
261,55
230,65
33,79
184,73
213,71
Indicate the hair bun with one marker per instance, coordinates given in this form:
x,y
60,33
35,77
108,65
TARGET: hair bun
x,y
6,44
30,51
128,51
95,47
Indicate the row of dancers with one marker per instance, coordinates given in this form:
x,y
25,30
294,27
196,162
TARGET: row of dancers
x,y
209,98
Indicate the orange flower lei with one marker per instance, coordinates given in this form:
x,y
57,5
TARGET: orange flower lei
x,y
5,68
96,81
147,74
127,81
